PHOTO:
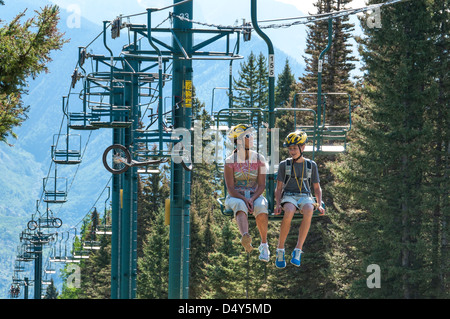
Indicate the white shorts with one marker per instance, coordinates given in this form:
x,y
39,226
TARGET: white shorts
x,y
297,199
260,205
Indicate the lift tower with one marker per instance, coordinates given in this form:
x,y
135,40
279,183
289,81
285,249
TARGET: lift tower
x,y
181,179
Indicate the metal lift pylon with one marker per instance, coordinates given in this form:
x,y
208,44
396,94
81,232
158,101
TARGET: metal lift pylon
x,y
272,147
123,108
181,179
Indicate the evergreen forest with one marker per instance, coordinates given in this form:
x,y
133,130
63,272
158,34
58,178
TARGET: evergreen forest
x,y
385,234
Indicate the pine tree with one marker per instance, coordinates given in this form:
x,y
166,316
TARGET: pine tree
x,y
203,229
96,271
225,274
152,192
24,53
338,63
384,176
51,291
262,98
306,282
252,84
284,92
437,181
153,277
284,87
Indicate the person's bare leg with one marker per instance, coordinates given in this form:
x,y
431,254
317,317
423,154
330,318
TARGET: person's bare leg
x,y
305,225
289,210
242,222
262,221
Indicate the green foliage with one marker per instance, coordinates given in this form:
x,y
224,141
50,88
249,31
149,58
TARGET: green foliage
x,y
337,65
51,292
252,85
387,196
385,177
285,83
153,277
95,271
24,52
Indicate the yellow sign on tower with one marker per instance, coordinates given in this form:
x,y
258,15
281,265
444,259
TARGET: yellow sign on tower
x,y
187,93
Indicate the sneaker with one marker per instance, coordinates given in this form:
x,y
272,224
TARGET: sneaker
x,y
246,241
296,257
264,253
280,262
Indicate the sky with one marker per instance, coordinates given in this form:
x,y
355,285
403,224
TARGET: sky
x,y
126,7
291,40
309,8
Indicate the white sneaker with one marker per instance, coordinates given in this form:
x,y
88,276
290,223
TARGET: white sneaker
x,y
264,252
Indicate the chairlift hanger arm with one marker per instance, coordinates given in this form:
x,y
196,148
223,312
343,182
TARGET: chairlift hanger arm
x,y
319,70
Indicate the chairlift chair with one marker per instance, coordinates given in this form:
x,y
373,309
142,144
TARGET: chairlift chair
x,y
54,255
148,170
49,222
19,268
325,139
66,149
82,121
104,230
79,120
50,271
81,254
57,259
56,191
71,260
253,117
91,245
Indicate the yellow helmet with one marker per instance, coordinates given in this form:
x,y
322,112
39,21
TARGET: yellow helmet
x,y
237,131
295,138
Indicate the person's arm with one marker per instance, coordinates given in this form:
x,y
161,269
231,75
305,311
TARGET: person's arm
x,y
260,181
229,181
279,188
278,191
318,194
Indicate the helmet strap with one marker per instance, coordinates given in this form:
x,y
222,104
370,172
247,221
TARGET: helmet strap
x,y
301,153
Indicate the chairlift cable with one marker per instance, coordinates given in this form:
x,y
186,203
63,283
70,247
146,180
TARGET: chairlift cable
x,y
309,19
76,171
156,9
95,203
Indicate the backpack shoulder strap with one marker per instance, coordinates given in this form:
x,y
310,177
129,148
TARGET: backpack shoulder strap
x,y
308,172
287,172
308,168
